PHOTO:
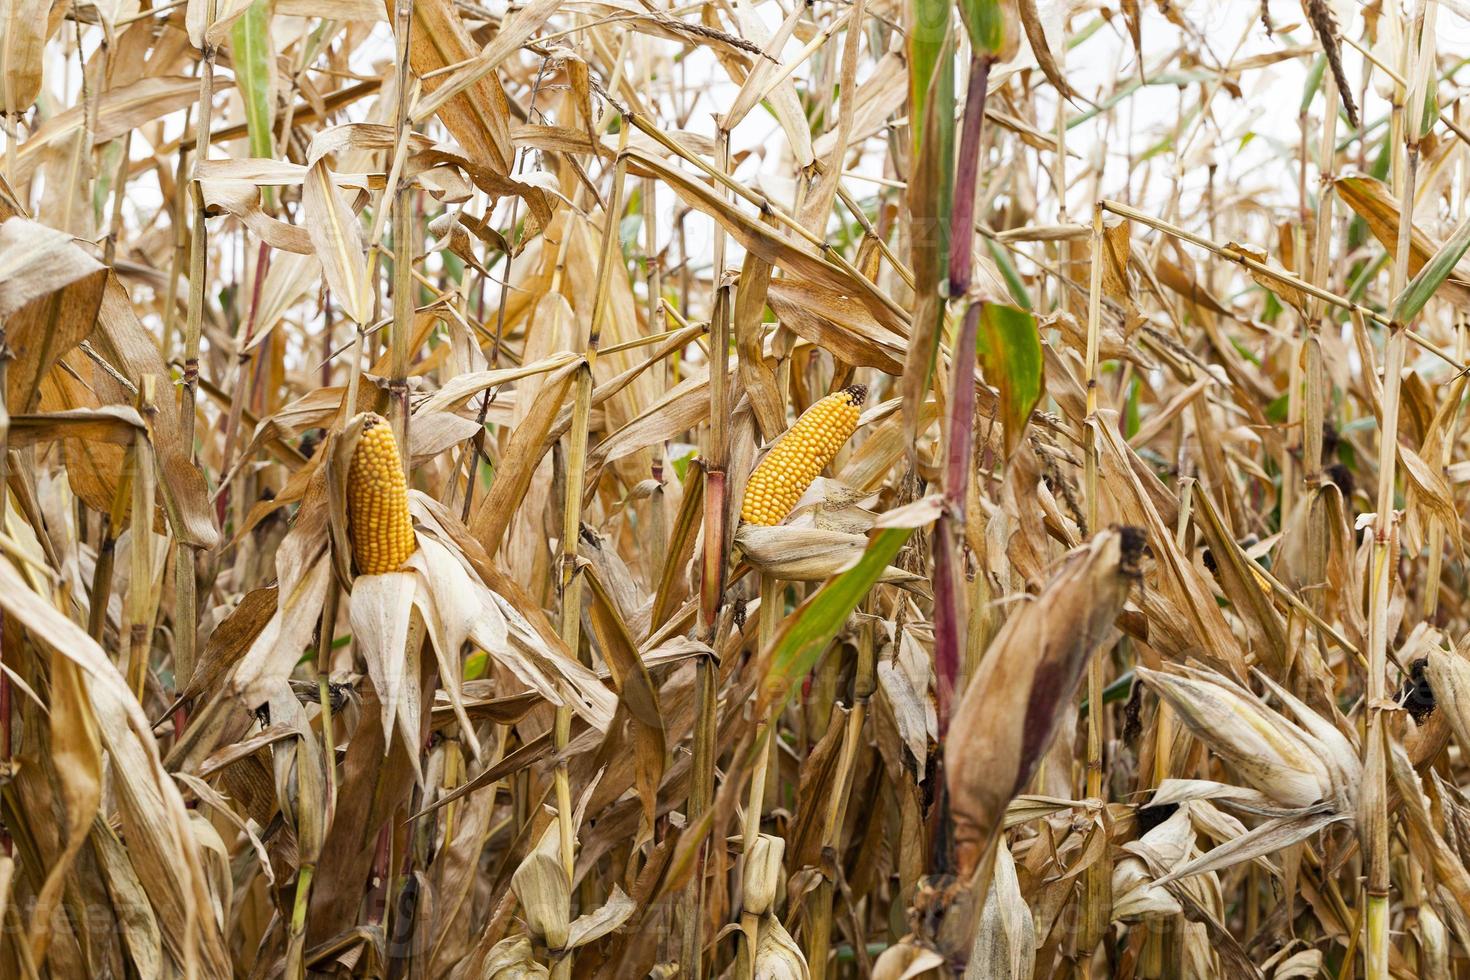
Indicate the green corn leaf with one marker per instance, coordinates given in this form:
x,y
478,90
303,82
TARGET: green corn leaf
x,y
993,25
931,47
1009,347
1430,114
250,49
931,68
1432,276
1015,285
807,633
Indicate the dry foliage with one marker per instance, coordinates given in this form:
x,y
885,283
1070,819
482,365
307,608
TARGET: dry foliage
x,y
1127,634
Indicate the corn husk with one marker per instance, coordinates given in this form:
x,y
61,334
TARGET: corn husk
x,y
511,959
909,961
1135,896
541,886
808,554
1308,773
763,873
1030,672
1005,945
1434,945
777,956
1293,768
1449,677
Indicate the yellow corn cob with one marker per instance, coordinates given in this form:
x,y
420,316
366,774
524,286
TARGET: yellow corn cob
x,y
800,454
377,500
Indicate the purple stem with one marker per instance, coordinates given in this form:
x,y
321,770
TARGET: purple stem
x,y
962,217
949,600
949,605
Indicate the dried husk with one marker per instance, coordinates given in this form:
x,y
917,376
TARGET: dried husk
x,y
763,873
777,956
1449,677
540,885
1030,672
511,959
1005,946
1269,752
909,961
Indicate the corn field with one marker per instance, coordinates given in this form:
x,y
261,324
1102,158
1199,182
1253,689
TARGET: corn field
x,y
740,489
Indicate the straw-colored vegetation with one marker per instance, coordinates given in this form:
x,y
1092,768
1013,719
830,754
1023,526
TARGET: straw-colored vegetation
x,y
391,583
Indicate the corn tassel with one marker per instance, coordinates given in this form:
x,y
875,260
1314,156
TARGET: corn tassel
x,y
799,455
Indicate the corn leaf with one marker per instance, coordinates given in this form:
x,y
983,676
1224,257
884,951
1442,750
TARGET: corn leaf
x,y
808,631
931,188
993,26
1009,349
1432,275
254,62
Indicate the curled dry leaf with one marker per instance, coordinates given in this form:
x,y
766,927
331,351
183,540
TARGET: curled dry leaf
x,y
36,261
337,241
540,885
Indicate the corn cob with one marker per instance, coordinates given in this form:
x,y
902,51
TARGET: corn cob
x,y
801,453
377,500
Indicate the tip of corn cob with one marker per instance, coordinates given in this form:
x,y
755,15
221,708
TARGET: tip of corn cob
x,y
377,500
